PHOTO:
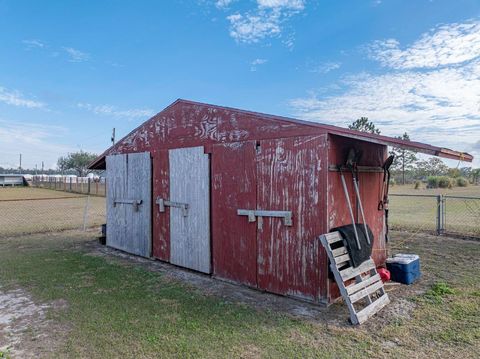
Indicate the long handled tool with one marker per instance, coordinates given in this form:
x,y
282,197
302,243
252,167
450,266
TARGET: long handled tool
x,y
355,185
383,203
349,204
353,158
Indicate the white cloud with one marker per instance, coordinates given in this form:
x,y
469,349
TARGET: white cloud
x,y
325,67
255,63
113,111
15,98
35,142
265,21
445,45
251,28
31,44
286,4
76,55
221,4
437,103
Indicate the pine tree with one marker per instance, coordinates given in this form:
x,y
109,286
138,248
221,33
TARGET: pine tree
x,y
404,159
364,125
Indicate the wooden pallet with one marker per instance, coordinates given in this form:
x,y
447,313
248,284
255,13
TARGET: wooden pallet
x,y
360,286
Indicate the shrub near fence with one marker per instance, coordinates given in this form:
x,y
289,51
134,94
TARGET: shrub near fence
x,y
440,214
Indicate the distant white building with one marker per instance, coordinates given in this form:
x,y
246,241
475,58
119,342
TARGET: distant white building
x,y
11,180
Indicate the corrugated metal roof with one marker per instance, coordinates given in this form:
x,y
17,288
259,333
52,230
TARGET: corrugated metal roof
x,y
335,130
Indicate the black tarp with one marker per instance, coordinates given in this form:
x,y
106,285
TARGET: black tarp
x,y
348,234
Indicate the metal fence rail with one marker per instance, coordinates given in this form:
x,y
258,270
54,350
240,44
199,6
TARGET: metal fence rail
x,y
73,185
439,214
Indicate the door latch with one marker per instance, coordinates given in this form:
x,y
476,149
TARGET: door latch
x,y
134,202
162,203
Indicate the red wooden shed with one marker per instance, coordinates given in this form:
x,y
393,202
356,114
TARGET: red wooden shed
x,y
242,195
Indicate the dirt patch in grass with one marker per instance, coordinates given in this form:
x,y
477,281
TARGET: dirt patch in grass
x,y
26,331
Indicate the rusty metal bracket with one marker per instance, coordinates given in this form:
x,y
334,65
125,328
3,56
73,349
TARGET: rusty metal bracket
x,y
134,202
162,203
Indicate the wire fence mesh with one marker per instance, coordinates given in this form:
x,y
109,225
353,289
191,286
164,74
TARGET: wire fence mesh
x,y
32,210
413,212
461,215
439,214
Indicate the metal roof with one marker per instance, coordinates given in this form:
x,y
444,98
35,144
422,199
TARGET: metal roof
x,y
334,130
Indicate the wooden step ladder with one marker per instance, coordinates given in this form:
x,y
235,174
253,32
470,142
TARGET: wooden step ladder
x,y
361,286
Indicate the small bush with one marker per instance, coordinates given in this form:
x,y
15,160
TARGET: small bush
x,y
462,182
432,181
445,182
392,182
418,184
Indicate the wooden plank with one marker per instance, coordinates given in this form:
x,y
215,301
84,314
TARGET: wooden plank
x,y
129,179
366,291
190,183
289,178
333,237
342,259
372,309
116,187
234,186
139,188
349,273
339,251
360,285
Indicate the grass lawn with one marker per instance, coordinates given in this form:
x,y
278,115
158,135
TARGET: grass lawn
x,y
114,307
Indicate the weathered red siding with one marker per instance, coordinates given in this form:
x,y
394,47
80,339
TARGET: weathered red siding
x,y
161,221
234,186
290,178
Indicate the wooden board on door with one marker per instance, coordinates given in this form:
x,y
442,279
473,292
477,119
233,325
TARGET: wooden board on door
x,y
291,176
129,179
190,184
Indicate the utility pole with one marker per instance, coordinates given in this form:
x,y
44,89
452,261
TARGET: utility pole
x,y
113,136
36,169
42,167
20,167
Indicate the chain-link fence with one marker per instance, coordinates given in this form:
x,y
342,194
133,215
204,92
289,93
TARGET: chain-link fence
x,y
32,210
439,214
83,185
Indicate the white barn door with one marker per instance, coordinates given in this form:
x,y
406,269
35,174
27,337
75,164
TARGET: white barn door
x,y
129,203
190,227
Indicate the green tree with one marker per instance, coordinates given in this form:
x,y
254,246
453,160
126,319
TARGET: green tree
x,y
404,159
364,125
77,161
434,166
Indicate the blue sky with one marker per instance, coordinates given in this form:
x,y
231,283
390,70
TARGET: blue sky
x,y
70,71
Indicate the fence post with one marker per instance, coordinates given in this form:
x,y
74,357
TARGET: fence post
x,y
440,215
88,187
85,213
